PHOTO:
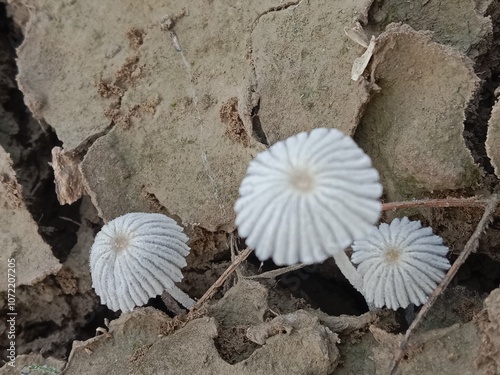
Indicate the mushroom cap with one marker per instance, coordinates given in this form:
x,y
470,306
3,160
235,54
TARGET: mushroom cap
x,y
400,263
135,257
308,197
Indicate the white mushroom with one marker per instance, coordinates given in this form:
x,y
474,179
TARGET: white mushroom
x,y
307,198
137,256
400,263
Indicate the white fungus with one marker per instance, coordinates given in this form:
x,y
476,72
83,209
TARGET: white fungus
x,y
137,256
400,263
307,198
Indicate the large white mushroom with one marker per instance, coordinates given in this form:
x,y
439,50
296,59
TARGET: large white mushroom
x,y
400,263
136,257
307,198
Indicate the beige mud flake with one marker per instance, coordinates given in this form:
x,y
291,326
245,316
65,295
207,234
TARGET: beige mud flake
x,y
67,176
58,75
136,343
184,153
413,128
460,23
493,139
303,62
489,322
449,350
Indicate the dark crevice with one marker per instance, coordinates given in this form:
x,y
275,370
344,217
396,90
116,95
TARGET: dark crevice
x,y
14,39
479,111
480,273
321,286
40,330
333,295
477,116
29,144
257,131
96,319
491,61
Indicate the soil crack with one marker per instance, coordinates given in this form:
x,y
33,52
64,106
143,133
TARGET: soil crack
x,y
278,8
479,111
29,143
257,130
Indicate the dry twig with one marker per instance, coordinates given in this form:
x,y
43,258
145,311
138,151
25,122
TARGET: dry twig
x,y
470,247
445,202
218,283
233,246
275,273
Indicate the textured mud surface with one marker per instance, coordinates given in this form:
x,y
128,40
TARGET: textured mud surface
x,y
493,139
159,106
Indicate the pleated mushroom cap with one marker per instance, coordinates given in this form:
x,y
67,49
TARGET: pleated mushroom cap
x,y
308,197
400,263
135,257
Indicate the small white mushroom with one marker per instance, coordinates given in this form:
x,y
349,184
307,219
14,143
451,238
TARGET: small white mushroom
x,y
137,256
400,263
307,198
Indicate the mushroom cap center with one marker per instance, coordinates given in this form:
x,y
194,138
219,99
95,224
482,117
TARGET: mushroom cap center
x,y
392,255
121,242
303,180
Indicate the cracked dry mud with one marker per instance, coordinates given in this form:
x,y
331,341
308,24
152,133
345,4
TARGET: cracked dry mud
x,y
159,106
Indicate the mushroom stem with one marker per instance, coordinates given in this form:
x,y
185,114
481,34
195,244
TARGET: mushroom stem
x,y
348,270
180,297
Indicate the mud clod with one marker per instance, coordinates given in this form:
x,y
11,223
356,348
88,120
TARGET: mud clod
x,y
136,37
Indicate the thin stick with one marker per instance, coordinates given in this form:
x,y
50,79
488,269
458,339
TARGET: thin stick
x,y
275,273
70,220
218,283
470,247
445,202
233,246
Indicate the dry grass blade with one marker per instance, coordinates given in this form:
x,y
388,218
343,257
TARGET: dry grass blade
x,y
470,246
